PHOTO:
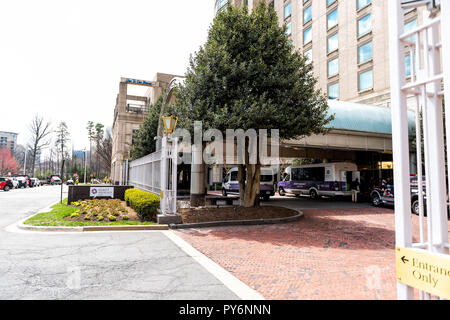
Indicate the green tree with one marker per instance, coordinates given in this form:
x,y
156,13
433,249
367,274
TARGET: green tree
x,y
98,137
62,138
248,75
144,139
91,136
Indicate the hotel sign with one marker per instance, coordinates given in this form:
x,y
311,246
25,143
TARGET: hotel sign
x,y
139,82
101,192
429,272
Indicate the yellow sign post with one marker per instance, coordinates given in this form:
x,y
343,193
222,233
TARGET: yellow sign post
x,y
426,271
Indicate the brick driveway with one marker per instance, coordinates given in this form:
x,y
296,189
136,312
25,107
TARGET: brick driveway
x,y
330,254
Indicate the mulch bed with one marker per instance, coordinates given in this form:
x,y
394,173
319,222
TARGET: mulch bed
x,y
196,215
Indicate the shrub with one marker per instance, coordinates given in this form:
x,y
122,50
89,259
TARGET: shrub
x,y
74,215
144,203
87,218
125,217
128,194
100,218
112,218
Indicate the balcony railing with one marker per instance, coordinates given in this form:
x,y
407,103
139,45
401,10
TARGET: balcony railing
x,y
136,108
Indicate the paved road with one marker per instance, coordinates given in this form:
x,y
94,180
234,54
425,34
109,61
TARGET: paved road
x,y
131,265
306,203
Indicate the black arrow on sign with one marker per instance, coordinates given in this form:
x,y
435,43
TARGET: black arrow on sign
x,y
404,259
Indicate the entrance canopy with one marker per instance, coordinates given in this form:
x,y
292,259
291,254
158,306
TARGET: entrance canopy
x,y
356,127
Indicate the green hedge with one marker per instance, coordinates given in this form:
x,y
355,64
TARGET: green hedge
x,y
144,203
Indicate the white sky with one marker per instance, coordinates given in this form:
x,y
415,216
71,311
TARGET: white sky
x,y
63,59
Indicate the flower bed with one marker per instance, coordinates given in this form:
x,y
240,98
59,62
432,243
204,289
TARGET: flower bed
x,y
101,210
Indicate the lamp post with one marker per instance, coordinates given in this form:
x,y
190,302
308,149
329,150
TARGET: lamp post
x,y
169,173
85,159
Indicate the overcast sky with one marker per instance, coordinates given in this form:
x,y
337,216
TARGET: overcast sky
x,y
63,59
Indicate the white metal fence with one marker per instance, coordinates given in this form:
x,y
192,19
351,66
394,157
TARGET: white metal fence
x,y
157,173
145,173
425,49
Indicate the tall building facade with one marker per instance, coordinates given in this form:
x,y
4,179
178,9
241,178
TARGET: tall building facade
x,y
129,113
346,40
8,140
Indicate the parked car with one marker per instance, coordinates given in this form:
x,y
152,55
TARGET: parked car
x,y
384,195
14,181
70,182
35,182
54,180
24,181
5,184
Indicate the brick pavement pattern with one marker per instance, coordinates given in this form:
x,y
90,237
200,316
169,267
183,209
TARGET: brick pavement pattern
x,y
329,254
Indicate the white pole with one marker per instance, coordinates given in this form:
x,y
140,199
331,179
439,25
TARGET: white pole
x,y
25,161
174,174
438,212
400,141
164,175
445,34
85,160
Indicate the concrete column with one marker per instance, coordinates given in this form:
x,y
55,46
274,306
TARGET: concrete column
x,y
197,176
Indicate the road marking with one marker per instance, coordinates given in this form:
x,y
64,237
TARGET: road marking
x,y
238,287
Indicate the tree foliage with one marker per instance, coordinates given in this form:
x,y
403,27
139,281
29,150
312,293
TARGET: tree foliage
x,y
248,75
144,139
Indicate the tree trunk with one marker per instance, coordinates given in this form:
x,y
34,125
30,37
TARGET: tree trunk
x,y
251,198
241,179
249,186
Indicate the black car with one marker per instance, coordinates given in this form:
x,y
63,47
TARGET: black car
x,y
384,195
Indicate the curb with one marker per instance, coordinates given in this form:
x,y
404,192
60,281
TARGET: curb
x,y
237,222
93,228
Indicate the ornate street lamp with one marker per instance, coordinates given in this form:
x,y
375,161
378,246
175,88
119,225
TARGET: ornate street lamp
x,y
170,123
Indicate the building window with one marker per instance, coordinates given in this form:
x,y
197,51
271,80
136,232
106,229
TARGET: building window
x,y
365,80
3,141
365,52
221,4
333,67
308,55
333,91
332,19
307,14
307,35
409,26
408,65
362,4
330,2
364,25
287,10
333,43
288,28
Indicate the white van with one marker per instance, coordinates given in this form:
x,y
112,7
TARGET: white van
x,y
230,183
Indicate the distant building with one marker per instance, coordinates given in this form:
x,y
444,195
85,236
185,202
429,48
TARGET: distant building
x,y
8,140
129,113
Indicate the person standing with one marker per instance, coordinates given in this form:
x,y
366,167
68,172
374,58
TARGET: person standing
x,y
355,190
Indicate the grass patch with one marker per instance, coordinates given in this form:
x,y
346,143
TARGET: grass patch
x,y
55,218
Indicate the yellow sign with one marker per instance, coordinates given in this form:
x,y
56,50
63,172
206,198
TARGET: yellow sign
x,y
429,272
162,195
387,165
